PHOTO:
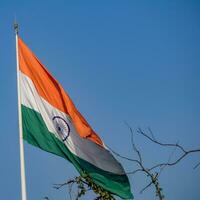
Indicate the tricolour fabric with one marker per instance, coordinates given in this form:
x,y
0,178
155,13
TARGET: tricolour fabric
x,y
51,122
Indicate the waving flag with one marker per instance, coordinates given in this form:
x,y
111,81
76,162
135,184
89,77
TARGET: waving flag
x,y
51,122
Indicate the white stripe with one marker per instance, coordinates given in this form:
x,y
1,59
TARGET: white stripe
x,y
83,148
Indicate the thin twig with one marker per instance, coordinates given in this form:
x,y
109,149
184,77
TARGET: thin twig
x,y
176,161
169,159
133,143
197,165
158,142
146,187
135,171
123,157
151,132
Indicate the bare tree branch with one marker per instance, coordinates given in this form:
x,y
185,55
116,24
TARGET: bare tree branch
x,y
149,172
158,142
177,160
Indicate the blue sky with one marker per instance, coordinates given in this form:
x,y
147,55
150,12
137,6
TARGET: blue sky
x,y
137,61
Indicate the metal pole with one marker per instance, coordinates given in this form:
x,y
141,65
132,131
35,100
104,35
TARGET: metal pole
x,y
21,144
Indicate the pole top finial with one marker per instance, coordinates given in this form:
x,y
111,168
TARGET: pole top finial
x,y
16,27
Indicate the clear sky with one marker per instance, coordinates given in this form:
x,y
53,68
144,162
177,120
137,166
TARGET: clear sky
x,y
137,61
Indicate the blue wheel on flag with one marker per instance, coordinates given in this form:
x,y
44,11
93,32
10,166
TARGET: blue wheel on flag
x,y
62,127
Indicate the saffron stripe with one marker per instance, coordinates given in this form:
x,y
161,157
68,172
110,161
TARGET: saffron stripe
x,y
49,89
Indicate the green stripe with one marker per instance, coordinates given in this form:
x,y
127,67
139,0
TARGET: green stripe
x,y
36,133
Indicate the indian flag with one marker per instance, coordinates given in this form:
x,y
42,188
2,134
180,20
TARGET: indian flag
x,y
51,122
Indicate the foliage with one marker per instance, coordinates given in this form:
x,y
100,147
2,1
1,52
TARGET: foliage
x,y
84,184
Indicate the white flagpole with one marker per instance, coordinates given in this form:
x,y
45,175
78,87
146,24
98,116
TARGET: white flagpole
x,y
21,144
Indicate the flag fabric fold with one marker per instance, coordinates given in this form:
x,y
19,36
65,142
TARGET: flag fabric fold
x,y
51,122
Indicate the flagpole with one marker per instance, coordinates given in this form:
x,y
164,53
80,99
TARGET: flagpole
x,y
21,144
